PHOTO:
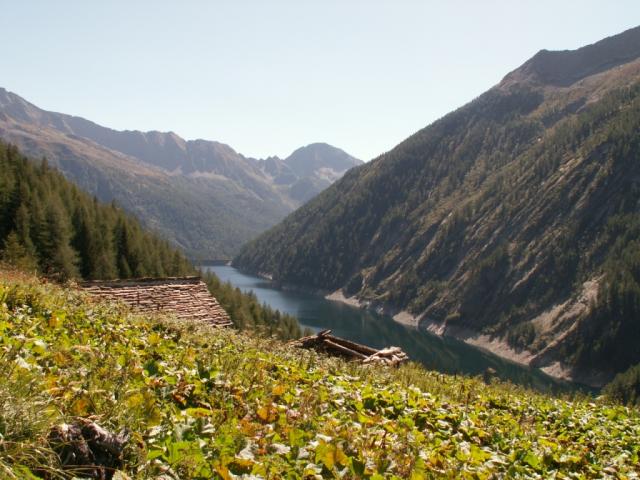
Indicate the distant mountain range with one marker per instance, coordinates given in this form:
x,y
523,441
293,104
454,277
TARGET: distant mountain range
x,y
202,195
512,223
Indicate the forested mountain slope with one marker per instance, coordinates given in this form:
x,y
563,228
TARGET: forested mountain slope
x,y
201,195
50,227
511,222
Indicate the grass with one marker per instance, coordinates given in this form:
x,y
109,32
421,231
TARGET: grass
x,y
203,403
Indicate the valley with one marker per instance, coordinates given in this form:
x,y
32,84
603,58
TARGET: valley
x,y
444,354
464,305
510,222
201,195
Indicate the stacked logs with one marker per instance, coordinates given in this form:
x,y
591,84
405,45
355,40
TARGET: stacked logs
x,y
391,356
332,345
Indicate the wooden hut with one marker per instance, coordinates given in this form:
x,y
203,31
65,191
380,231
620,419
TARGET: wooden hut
x,y
187,298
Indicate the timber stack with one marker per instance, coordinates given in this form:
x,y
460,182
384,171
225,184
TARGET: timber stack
x,y
332,345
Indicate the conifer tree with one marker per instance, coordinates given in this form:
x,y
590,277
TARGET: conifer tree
x,y
58,257
16,254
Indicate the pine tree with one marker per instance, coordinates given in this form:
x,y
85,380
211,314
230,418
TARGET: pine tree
x,y
46,221
23,230
58,258
104,261
16,254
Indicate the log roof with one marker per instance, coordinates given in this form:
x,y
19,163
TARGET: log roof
x,y
187,298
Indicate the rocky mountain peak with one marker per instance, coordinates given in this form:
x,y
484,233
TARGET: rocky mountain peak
x,y
565,67
309,159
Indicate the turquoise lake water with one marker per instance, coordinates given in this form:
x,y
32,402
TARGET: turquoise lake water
x,y
363,326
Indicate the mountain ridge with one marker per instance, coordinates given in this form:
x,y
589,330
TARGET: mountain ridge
x,y
506,218
562,68
202,195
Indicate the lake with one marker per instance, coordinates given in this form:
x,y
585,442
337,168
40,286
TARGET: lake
x,y
370,328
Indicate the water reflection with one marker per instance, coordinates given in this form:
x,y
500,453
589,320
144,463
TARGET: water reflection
x,y
443,354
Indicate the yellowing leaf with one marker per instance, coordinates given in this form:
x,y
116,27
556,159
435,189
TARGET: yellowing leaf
x,y
278,390
198,412
154,416
326,454
135,400
223,472
80,406
266,414
341,457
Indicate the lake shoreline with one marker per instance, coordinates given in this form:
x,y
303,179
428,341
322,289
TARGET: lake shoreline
x,y
474,354
494,345
402,317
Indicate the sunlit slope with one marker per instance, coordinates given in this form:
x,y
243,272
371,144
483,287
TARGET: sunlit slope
x,y
203,403
513,217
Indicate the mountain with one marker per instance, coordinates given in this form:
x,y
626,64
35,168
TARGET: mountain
x,y
308,170
48,225
511,223
202,195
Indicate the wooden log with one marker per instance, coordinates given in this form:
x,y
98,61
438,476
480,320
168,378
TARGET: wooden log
x,y
308,342
392,356
352,345
343,350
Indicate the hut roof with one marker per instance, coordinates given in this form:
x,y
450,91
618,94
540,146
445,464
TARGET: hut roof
x,y
186,297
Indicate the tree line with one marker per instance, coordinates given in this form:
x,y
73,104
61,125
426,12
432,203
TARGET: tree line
x,y
50,227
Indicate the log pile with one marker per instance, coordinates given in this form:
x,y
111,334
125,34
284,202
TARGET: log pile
x,y
187,297
332,345
391,356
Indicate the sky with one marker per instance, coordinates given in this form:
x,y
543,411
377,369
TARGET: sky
x,y
267,77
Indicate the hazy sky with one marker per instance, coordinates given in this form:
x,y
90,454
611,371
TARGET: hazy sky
x,y
269,76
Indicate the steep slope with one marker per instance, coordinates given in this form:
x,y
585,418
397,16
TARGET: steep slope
x,y
48,225
509,222
202,195
199,403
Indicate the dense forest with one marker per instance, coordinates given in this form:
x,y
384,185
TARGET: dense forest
x,y
625,387
515,216
51,227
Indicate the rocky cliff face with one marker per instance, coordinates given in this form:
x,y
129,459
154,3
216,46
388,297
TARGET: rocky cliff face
x,y
506,222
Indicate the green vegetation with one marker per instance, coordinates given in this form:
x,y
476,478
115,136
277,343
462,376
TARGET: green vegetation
x,y
625,387
49,225
204,403
612,326
517,207
248,313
